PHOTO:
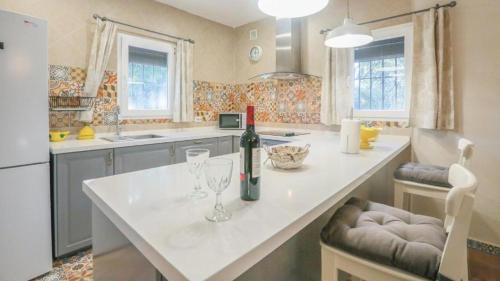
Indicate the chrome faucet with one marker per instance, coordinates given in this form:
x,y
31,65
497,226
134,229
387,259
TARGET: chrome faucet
x,y
118,129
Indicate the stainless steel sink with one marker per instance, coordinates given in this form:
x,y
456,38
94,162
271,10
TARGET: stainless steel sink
x,y
132,138
146,137
117,139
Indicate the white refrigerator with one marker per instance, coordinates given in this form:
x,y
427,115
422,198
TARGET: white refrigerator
x,y
25,224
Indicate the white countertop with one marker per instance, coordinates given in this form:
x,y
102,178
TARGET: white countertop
x,y
170,135
151,209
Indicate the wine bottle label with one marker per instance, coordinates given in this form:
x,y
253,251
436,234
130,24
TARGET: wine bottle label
x,y
256,162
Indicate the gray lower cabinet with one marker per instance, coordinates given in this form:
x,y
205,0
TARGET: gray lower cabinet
x,y
141,157
71,207
181,147
225,145
236,144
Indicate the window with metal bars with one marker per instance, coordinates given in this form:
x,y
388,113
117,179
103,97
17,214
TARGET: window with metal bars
x,y
381,75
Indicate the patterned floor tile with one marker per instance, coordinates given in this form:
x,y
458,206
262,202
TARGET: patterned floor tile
x,y
78,267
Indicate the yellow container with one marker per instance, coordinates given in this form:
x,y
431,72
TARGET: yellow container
x,y
56,136
368,135
86,133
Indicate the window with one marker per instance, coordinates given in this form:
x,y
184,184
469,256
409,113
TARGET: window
x,y
382,75
145,77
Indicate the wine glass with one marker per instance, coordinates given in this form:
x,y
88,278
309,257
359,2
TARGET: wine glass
x,y
218,173
195,159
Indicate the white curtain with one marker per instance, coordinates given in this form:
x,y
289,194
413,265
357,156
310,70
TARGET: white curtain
x,y
433,104
102,43
183,94
336,92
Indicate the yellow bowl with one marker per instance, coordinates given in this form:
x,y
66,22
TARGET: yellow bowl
x,y
55,136
368,135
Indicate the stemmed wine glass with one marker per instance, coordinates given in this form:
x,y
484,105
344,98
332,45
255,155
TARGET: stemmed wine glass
x,y
195,159
218,173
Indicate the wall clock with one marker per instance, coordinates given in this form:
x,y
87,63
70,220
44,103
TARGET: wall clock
x,y
255,53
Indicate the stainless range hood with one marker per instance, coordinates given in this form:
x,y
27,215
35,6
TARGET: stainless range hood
x,y
288,52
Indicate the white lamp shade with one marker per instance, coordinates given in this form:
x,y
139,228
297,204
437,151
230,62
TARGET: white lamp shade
x,y
348,35
291,8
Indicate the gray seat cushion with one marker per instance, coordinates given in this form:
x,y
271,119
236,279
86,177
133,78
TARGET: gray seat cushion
x,y
421,173
387,235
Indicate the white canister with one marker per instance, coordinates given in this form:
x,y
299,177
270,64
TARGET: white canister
x,y
349,136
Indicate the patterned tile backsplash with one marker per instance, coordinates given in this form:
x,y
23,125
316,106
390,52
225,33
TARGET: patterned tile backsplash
x,y
275,101
283,101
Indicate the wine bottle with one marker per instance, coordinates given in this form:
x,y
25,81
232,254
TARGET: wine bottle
x,y
250,160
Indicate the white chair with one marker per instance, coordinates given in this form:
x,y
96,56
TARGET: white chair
x,y
406,187
453,263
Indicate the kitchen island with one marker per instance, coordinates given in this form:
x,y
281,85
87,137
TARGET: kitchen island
x,y
145,227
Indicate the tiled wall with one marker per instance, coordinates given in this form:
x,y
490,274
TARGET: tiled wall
x,y
275,101
292,102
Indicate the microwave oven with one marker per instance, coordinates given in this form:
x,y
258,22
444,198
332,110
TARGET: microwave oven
x,y
232,120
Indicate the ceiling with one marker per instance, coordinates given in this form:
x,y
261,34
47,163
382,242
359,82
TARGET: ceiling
x,y
232,13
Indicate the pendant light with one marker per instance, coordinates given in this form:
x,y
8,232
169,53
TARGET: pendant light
x,y
291,8
349,34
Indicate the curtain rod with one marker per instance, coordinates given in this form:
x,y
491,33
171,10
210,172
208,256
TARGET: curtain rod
x,y
451,5
96,16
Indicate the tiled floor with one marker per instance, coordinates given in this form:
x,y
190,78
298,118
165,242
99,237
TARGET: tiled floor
x,y
483,267
74,268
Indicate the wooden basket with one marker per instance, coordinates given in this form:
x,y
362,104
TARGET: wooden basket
x,y
287,157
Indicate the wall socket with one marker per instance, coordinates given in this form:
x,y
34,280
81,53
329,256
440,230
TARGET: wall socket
x,y
253,34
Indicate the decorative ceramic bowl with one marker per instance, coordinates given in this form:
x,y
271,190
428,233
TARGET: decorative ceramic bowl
x,y
55,136
287,157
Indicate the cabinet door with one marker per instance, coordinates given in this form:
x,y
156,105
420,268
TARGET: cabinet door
x,y
71,207
135,158
225,145
182,146
236,144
